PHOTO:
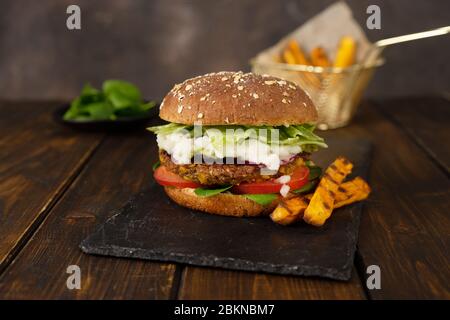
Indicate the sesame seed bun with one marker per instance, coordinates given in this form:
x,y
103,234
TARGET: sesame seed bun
x,y
227,98
224,204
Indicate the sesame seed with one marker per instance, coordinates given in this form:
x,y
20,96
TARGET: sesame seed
x,y
269,82
292,87
281,82
188,87
226,120
304,104
200,115
180,108
285,94
255,96
284,101
224,78
234,96
240,87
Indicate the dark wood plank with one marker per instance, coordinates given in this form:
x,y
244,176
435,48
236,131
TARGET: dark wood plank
x,y
38,160
120,168
207,283
427,121
405,225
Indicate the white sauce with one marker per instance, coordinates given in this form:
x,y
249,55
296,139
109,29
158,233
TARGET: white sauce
x,y
182,147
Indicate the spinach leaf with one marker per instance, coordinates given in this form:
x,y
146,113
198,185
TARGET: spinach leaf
x,y
100,110
124,89
307,187
156,165
262,199
314,173
202,192
117,99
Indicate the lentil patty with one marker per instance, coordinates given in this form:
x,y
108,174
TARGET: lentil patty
x,y
220,174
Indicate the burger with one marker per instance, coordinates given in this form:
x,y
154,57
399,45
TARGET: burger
x,y
235,143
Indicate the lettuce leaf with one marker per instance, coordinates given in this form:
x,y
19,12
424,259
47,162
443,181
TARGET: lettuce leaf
x,y
169,128
301,135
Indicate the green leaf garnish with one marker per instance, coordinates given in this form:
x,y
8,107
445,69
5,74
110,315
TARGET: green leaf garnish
x,y
116,99
262,199
202,192
126,90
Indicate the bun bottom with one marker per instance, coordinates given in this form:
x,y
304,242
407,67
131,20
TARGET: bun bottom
x,y
224,204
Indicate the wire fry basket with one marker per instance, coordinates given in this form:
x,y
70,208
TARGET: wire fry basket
x,y
336,92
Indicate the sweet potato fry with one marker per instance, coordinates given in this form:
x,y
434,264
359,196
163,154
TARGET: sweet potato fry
x,y
346,53
351,191
319,57
322,201
289,211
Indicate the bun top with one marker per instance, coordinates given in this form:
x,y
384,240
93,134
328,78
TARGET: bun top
x,y
227,98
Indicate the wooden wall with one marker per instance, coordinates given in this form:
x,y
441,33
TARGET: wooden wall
x,y
156,43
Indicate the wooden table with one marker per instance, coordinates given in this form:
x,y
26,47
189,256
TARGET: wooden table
x,y
58,185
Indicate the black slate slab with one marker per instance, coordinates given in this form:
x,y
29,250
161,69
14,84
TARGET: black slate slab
x,y
152,227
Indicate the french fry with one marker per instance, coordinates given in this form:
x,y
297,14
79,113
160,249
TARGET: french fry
x,y
293,54
319,57
289,211
297,52
322,202
346,53
288,57
351,191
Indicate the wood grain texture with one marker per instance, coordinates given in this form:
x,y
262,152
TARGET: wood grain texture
x,y
120,168
404,228
427,122
38,160
405,225
207,283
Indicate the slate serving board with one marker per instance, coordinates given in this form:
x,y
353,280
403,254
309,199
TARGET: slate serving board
x,y
152,227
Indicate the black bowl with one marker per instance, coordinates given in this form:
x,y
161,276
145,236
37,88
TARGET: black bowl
x,y
120,124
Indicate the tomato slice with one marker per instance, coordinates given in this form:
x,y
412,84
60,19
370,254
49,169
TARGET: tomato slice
x,y
166,178
298,179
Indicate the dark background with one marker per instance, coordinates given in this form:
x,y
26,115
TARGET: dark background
x,y
157,43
